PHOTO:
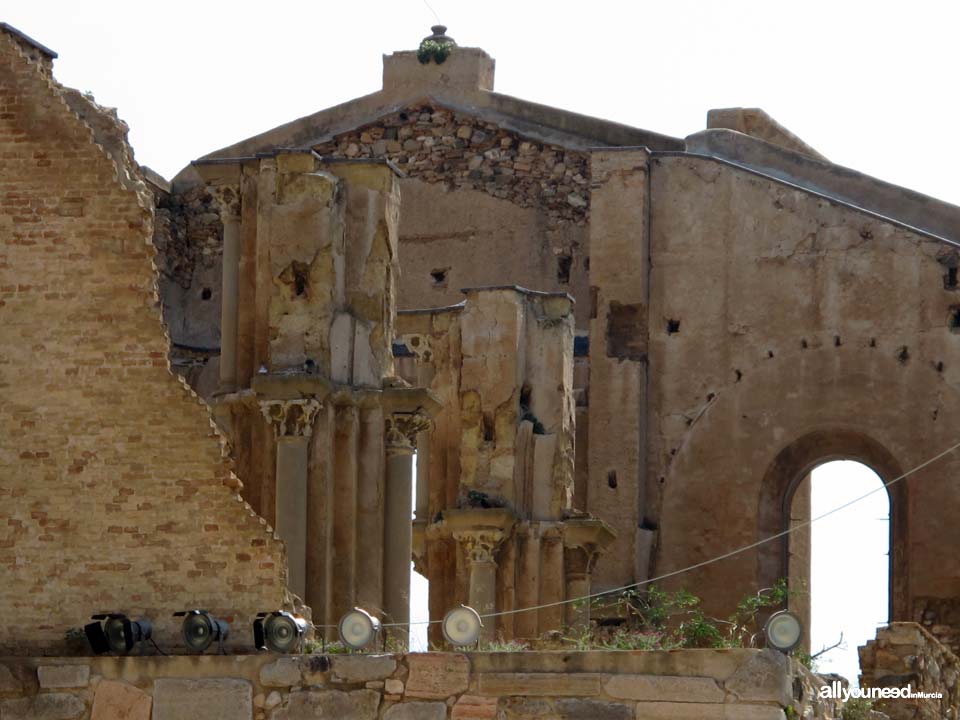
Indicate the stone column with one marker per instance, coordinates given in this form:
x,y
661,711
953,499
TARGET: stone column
x,y
481,547
292,422
400,442
584,541
229,301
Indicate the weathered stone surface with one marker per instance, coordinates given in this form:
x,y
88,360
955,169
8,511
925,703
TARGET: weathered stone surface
x,y
9,683
437,675
49,706
565,709
474,707
329,705
392,686
362,668
664,687
706,711
763,678
544,684
417,711
119,701
219,699
285,672
63,676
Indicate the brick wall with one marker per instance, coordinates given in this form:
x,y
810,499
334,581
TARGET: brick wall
x,y
113,491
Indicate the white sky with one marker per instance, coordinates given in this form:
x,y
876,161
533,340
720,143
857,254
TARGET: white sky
x,y
849,564
866,83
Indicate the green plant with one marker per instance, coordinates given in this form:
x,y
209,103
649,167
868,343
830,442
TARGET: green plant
x,y
656,619
857,709
790,712
433,50
501,646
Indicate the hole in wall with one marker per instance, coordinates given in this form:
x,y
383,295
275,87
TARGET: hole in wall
x,y
803,344
586,263
739,375
612,479
903,355
769,353
439,277
673,327
564,262
836,341
594,301
950,279
939,366
206,294
955,318
873,342
488,431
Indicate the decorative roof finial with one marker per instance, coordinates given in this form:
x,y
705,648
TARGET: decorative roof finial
x,y
436,47
440,35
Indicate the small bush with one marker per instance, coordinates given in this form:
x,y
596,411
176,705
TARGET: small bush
x,y
857,709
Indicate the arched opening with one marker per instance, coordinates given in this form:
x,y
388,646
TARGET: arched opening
x,y
776,510
841,562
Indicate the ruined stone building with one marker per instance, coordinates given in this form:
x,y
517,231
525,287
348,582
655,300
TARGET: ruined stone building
x,y
615,353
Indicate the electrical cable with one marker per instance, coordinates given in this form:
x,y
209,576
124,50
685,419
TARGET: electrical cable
x,y
704,563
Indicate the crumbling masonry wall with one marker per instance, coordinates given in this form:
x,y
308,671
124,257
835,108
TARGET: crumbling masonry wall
x,y
114,495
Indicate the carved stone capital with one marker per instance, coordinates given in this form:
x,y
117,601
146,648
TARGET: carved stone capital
x,y
402,430
228,200
290,418
480,544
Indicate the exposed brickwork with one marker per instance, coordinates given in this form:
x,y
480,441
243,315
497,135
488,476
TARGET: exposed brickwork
x,y
438,145
113,491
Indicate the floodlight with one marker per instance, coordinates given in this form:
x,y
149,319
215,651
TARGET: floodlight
x,y
115,632
200,629
358,629
783,631
462,626
279,631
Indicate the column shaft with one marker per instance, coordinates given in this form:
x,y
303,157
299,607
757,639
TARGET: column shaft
x,y
483,594
291,520
229,303
398,537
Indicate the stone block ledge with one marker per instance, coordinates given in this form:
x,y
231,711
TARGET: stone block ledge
x,y
743,684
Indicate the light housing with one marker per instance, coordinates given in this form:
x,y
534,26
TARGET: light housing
x,y
200,629
462,626
783,631
358,629
279,631
115,632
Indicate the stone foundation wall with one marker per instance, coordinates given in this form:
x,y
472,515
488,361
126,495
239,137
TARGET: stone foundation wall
x,y
680,685
907,654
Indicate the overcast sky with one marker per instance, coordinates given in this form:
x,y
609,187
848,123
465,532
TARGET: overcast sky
x,y
868,84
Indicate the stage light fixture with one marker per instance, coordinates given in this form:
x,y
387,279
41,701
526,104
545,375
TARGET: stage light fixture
x,y
358,629
115,632
279,631
462,626
783,631
200,629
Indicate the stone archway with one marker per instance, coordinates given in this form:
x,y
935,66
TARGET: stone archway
x,y
788,469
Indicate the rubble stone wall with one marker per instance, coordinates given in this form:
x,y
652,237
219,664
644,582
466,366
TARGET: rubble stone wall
x,y
906,654
680,685
114,495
